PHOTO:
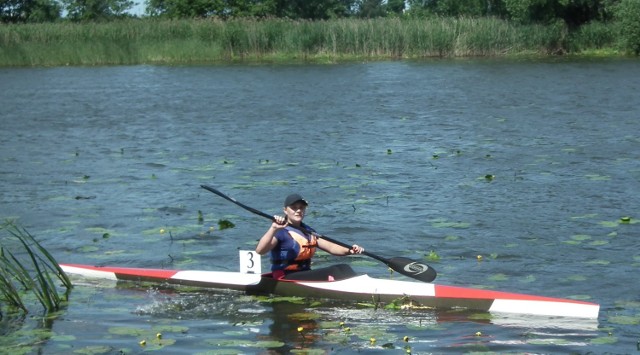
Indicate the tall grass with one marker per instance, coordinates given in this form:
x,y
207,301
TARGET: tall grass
x,y
31,270
208,41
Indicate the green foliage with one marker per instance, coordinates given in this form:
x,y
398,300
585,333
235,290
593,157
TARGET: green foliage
x,y
628,15
370,8
13,11
30,270
226,9
573,13
135,41
592,36
225,224
456,8
92,10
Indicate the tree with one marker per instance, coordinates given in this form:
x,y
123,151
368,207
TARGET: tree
x,y
91,10
370,8
186,8
29,10
314,9
474,8
573,12
395,6
210,8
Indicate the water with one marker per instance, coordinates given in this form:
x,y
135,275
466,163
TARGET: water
x,y
530,164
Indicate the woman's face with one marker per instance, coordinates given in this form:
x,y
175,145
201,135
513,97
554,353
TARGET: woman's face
x,y
295,212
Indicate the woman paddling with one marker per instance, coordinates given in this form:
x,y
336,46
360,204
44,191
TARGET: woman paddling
x,y
293,243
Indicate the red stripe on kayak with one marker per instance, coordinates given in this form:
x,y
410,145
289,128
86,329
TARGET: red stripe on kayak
x,y
462,292
151,273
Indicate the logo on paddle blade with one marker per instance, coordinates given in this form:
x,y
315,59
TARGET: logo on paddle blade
x,y
416,268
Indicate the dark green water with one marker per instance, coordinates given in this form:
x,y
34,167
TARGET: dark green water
x,y
103,165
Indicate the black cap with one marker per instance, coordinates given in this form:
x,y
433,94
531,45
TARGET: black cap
x,y
293,198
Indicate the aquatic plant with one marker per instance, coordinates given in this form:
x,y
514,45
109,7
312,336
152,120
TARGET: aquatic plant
x,y
32,271
277,40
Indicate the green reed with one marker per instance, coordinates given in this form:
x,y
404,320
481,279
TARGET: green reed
x,y
29,270
151,41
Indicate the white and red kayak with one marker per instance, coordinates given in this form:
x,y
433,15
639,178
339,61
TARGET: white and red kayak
x,y
357,288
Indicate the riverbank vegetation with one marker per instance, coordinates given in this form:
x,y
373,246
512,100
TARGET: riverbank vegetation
x,y
28,273
176,31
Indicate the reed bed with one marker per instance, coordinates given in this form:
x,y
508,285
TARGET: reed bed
x,y
29,270
156,41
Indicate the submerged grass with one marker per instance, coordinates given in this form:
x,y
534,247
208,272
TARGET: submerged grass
x,y
154,41
29,271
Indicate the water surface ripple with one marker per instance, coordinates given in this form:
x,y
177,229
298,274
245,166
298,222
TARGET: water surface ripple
x,y
530,164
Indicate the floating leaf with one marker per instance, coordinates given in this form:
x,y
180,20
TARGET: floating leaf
x,y
596,177
498,277
442,223
170,329
528,279
136,332
225,224
624,320
580,237
604,340
432,256
303,316
598,262
481,316
94,349
576,278
245,343
610,224
586,216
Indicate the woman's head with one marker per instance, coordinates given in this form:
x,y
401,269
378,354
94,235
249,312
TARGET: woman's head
x,y
294,208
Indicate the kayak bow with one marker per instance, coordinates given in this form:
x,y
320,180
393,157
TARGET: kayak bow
x,y
359,288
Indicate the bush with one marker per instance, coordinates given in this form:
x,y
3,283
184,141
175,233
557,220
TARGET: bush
x,y
628,15
593,35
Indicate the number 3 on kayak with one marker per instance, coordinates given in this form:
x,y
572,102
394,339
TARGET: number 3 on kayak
x,y
250,262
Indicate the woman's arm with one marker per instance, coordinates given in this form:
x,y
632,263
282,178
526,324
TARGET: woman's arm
x,y
339,250
268,241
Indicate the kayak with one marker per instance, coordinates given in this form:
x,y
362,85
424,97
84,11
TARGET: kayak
x,y
359,288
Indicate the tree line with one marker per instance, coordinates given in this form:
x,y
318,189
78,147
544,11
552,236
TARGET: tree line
x,y
573,12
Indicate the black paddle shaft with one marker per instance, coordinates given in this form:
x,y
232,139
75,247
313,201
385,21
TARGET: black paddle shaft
x,y
405,266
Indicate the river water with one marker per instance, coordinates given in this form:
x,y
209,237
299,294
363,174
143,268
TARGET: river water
x,y
529,164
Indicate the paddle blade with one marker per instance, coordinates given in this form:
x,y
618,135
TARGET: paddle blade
x,y
412,268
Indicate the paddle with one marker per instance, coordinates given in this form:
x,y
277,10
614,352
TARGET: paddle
x,y
405,266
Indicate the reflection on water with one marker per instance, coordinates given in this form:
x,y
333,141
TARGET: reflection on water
x,y
103,165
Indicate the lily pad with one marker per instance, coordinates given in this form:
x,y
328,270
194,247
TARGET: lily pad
x,y
265,344
598,262
135,332
498,277
597,177
170,329
576,278
528,279
303,316
95,349
442,223
604,340
581,237
625,320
